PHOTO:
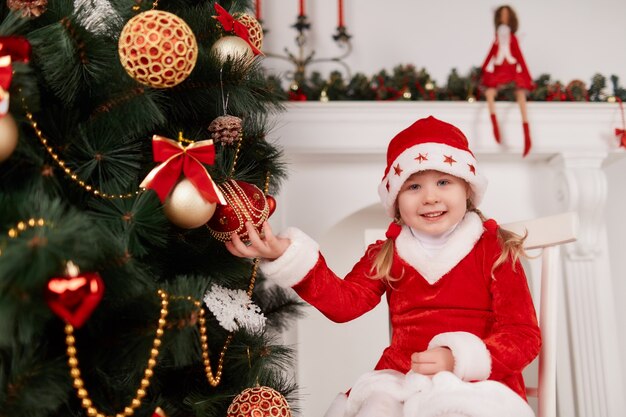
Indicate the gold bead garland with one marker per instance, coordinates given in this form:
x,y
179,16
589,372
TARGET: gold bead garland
x,y
79,384
71,174
23,225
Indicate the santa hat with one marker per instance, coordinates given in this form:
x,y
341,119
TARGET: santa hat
x,y
429,144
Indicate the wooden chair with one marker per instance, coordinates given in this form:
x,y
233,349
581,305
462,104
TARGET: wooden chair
x,y
547,233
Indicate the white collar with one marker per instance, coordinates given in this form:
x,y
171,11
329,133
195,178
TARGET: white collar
x,y
433,244
459,244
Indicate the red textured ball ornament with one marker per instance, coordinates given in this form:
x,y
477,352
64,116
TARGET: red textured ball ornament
x,y
259,402
245,202
158,49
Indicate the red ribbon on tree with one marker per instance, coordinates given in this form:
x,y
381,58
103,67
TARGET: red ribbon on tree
x,y
12,49
230,24
621,133
177,160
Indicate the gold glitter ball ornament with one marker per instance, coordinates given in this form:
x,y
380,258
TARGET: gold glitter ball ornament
x,y
232,47
158,49
255,31
186,208
226,129
8,136
259,402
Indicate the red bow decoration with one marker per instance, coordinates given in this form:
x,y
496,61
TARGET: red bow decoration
x,y
12,48
230,24
178,159
621,133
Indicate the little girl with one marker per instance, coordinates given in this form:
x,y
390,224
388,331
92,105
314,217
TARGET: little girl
x,y
505,64
463,321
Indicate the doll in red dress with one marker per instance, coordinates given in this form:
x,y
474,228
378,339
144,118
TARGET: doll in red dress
x,y
504,65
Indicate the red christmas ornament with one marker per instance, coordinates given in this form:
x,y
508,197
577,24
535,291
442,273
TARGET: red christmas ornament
x,y
271,202
259,402
245,202
74,298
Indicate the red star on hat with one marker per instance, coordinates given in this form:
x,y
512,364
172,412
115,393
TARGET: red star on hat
x,y
472,168
448,160
397,169
422,157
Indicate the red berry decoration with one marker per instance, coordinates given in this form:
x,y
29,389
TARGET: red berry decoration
x,y
259,402
158,49
245,202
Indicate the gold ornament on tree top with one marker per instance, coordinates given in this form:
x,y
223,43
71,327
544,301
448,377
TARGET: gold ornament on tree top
x,y
158,49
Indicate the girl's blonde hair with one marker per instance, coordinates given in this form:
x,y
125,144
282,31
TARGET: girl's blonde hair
x,y
512,247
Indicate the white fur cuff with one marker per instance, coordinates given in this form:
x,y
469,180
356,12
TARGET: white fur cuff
x,y
293,265
472,360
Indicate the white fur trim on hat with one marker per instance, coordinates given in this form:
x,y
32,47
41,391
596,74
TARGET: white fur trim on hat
x,y
293,265
431,156
472,360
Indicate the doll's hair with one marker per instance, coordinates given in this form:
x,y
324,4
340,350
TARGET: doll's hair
x,y
511,243
497,18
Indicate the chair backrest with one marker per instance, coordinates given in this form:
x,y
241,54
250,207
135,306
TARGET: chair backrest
x,y
547,233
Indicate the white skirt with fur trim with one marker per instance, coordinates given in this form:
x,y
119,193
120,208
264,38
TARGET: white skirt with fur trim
x,y
393,394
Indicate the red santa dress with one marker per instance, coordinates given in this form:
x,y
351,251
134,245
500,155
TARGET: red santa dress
x,y
505,63
447,300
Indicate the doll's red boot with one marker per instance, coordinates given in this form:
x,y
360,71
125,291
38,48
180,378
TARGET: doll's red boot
x,y
496,131
527,141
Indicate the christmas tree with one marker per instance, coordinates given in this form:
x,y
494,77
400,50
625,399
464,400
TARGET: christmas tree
x,y
133,145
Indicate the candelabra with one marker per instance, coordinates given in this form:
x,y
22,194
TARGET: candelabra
x,y
301,59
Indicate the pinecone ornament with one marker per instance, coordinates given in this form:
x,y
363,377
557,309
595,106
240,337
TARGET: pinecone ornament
x,y
226,129
29,8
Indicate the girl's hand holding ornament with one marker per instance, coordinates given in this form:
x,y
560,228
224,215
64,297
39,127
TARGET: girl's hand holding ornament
x,y
266,246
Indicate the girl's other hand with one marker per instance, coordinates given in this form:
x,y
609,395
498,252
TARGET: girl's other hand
x,y
266,246
432,361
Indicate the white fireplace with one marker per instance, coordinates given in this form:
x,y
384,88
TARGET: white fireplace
x,y
336,154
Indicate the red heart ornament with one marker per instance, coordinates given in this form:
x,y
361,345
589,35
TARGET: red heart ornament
x,y
75,298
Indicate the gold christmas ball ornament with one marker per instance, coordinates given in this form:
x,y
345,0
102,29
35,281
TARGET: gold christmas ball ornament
x,y
232,47
259,402
186,208
8,136
158,49
255,30
226,129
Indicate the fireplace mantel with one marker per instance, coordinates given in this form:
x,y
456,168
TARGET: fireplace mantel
x,y
336,152
363,128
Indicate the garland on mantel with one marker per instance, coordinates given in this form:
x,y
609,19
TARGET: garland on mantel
x,y
407,83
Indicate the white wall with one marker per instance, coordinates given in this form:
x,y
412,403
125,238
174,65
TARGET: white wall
x,y
568,39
